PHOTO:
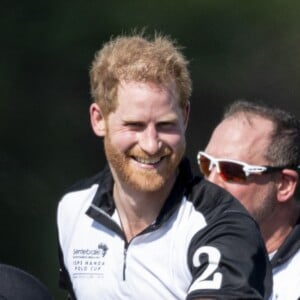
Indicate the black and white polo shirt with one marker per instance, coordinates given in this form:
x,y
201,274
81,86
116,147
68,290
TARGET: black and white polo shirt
x,y
202,244
286,267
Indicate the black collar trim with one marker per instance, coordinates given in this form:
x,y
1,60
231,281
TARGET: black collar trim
x,y
103,205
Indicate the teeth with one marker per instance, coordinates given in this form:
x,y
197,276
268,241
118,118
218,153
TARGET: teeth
x,y
148,160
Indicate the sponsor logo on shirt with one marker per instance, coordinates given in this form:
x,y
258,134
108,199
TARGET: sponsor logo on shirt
x,y
88,263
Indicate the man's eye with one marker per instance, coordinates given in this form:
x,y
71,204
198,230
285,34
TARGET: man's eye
x,y
135,125
166,125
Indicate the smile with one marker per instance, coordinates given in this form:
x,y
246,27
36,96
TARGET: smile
x,y
148,161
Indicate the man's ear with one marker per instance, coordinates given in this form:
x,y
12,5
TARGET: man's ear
x,y
287,185
97,120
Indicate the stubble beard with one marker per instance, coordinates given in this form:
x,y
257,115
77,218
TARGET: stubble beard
x,y
140,179
267,206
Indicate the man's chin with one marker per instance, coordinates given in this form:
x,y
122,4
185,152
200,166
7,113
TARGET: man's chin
x,y
146,183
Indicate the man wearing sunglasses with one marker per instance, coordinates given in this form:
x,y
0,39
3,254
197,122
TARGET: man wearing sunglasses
x,y
254,153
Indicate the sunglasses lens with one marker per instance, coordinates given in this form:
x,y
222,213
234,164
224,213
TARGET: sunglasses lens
x,y
231,171
204,164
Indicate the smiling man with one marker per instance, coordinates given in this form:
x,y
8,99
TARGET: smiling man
x,y
145,228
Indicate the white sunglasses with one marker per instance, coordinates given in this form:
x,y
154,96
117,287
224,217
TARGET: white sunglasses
x,y
233,170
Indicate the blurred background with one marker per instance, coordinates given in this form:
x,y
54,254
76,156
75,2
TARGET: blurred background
x,y
236,49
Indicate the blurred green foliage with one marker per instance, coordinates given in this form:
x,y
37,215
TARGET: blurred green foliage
x,y
236,49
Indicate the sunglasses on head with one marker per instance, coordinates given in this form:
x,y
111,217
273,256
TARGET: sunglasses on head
x,y
232,170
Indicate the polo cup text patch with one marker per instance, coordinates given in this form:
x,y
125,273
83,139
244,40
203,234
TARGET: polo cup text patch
x,y
88,263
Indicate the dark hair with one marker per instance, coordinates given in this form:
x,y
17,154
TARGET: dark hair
x,y
284,148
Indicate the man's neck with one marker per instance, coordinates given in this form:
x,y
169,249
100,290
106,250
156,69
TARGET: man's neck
x,y
277,228
138,209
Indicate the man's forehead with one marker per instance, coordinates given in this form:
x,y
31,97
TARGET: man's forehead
x,y
240,136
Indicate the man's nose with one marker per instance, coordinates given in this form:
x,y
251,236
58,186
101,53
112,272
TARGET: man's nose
x,y
149,140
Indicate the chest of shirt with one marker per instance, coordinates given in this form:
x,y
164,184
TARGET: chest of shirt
x,y
286,279
100,262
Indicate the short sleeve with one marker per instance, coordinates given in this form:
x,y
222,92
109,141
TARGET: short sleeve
x,y
228,260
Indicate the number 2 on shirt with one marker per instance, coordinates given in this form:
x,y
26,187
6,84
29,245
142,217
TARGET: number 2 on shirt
x,y
214,257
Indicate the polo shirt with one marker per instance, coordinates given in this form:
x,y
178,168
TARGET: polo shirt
x,y
286,267
203,243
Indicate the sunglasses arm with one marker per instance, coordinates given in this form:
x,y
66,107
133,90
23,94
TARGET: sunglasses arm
x,y
254,170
